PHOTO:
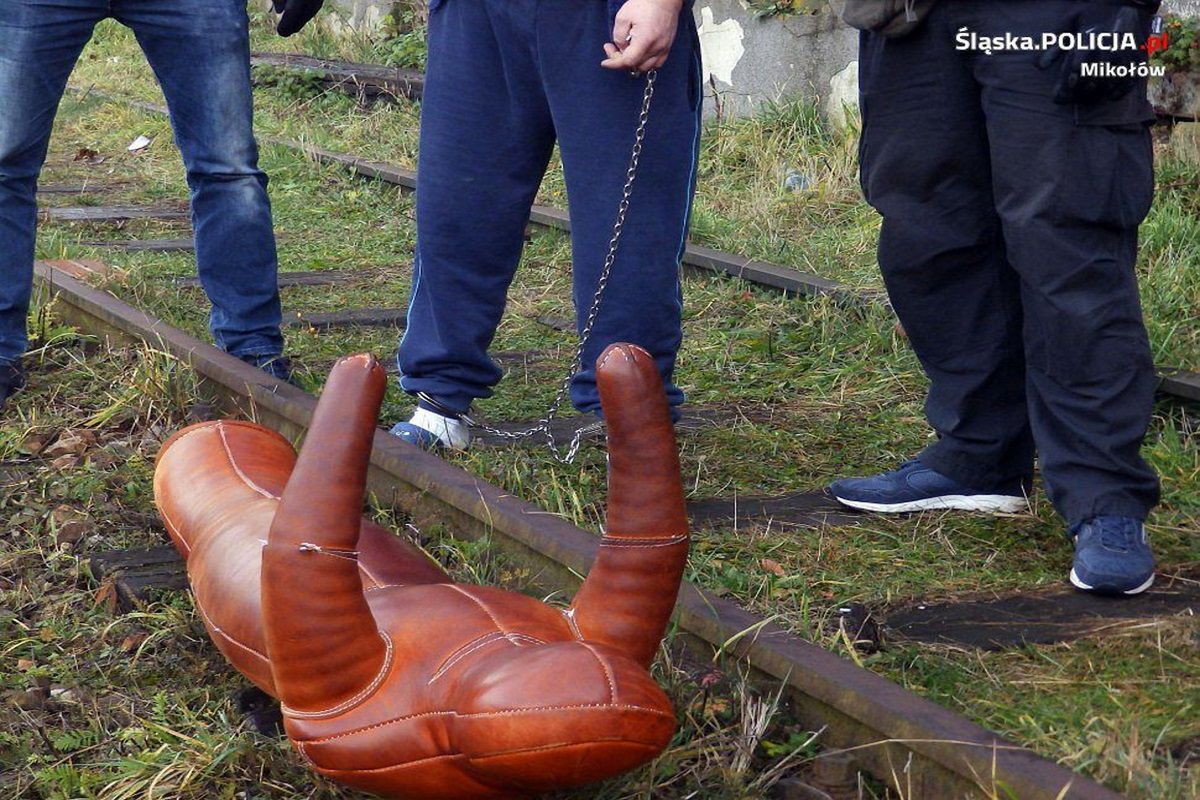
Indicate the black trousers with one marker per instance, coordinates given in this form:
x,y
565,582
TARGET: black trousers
x,y
1008,249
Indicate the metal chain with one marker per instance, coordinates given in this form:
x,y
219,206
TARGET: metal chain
x,y
544,424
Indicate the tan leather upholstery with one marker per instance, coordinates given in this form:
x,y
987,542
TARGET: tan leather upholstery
x,y
393,679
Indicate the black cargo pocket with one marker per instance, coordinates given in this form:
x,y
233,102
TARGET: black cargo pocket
x,y
1132,109
1107,177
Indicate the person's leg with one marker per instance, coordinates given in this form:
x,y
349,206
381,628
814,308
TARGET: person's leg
x,y
926,168
1071,196
486,138
201,55
39,44
596,115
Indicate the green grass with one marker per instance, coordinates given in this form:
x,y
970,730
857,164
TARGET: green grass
x,y
827,391
95,704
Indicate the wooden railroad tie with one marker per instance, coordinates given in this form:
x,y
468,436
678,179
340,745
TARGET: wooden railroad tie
x,y
103,214
350,318
324,277
134,574
1040,617
146,245
80,268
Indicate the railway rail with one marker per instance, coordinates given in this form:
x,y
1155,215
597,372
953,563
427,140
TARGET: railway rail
x,y
924,750
921,748
1174,382
365,82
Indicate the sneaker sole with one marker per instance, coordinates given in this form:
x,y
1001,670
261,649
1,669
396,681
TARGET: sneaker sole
x,y
988,503
1079,584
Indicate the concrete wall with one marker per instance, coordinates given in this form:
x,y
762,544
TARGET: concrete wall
x,y
750,60
1186,8
360,15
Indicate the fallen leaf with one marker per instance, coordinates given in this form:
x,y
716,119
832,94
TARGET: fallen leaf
x,y
35,443
773,567
24,664
132,642
30,700
71,533
106,596
65,462
89,156
72,441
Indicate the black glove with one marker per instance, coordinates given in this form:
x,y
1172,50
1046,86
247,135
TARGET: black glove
x,y
295,14
1099,17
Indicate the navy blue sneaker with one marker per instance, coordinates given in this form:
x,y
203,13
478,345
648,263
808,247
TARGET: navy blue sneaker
x,y
1112,556
12,380
279,367
915,487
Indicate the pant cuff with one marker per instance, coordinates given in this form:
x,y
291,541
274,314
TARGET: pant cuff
x,y
1077,513
969,471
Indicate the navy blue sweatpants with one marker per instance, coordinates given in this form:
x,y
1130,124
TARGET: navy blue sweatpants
x,y
506,79
1010,229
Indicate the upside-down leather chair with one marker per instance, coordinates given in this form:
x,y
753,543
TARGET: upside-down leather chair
x,y
393,678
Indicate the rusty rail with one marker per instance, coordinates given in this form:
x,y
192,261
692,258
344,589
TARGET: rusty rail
x,y
925,750
1173,382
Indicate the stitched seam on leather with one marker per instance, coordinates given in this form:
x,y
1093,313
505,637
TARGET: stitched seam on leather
x,y
377,725
359,698
581,707
401,586
523,639
462,652
304,754
607,356
237,469
618,541
515,639
479,603
370,577
535,709
559,746
569,615
612,684
403,765
173,528
213,626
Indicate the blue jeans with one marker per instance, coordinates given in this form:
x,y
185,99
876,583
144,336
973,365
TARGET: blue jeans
x,y
506,80
201,54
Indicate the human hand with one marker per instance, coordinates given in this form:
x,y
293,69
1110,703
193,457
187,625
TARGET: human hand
x,y
1100,19
643,35
295,14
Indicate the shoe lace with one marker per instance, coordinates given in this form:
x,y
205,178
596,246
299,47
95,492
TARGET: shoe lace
x,y
1117,533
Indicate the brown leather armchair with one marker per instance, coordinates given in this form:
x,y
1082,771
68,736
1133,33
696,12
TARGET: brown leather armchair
x,y
394,679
